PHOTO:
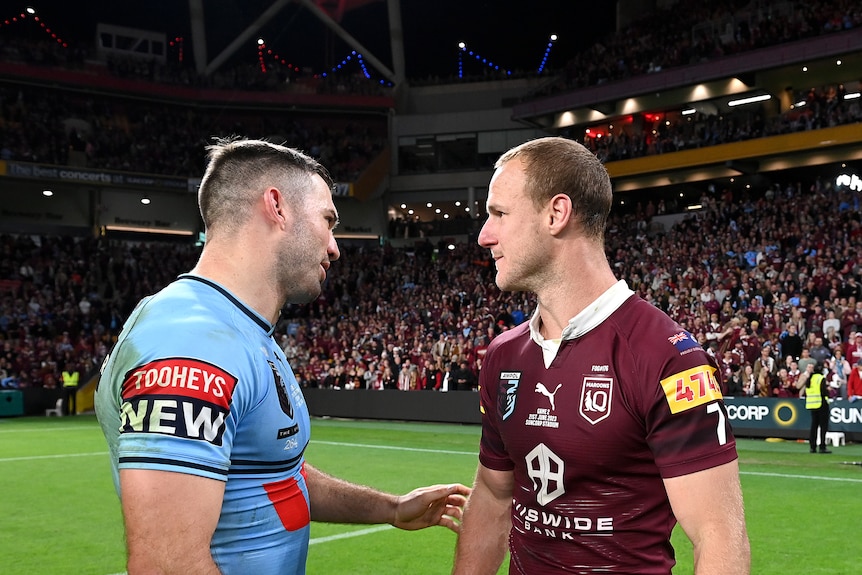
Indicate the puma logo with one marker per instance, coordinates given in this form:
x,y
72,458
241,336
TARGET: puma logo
x,y
540,388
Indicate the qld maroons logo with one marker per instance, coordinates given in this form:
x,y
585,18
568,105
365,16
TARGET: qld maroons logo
x,y
596,398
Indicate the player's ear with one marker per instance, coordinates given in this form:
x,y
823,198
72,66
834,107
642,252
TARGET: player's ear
x,y
559,213
275,209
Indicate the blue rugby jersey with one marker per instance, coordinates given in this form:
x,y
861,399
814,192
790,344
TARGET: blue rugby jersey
x,y
196,384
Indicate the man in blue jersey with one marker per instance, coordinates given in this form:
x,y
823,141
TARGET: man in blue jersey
x,y
602,419
204,419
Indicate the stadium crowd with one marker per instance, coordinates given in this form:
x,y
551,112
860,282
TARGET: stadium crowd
x,y
693,32
757,279
63,127
763,281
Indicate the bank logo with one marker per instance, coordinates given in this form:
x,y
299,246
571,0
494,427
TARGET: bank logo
x,y
596,398
546,470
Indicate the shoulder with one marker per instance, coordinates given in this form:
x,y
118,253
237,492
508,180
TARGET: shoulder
x,y
518,335
185,321
653,340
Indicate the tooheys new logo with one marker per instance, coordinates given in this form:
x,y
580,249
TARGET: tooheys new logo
x,y
177,396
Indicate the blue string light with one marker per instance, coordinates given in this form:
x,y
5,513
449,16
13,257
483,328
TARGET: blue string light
x,y
547,53
462,49
362,65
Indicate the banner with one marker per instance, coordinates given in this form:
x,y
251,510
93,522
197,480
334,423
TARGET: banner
x,y
98,177
787,417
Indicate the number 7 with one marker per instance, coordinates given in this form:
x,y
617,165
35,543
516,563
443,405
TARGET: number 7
x,y
721,430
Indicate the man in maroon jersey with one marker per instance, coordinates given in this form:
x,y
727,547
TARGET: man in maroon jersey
x,y
602,420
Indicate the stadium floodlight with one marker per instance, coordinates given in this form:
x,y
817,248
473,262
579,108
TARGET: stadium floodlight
x,y
30,10
852,96
750,100
688,111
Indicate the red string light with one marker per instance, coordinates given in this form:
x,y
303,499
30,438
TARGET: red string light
x,y
177,43
261,58
24,15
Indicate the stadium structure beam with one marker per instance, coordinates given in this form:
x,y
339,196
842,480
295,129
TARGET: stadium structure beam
x,y
396,38
199,38
246,34
353,42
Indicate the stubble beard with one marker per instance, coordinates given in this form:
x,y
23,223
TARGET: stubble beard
x,y
295,276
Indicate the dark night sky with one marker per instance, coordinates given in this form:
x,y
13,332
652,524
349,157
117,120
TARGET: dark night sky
x,y
513,34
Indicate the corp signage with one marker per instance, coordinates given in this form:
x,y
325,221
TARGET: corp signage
x,y
789,415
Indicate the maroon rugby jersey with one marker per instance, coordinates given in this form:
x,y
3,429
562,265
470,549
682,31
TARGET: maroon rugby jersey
x,y
589,439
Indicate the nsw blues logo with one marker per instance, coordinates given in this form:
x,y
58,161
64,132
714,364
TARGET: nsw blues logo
x,y
507,393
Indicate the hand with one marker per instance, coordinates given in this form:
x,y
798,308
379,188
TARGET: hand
x,y
433,505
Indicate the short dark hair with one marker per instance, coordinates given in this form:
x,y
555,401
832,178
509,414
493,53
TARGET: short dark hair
x,y
236,164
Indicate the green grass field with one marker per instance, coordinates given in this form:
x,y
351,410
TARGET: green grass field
x,y
59,513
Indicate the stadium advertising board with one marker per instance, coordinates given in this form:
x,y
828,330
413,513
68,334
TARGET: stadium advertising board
x,y
788,417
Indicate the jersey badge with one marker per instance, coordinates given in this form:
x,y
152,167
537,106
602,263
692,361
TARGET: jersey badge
x,y
683,342
690,388
507,393
177,396
281,390
596,398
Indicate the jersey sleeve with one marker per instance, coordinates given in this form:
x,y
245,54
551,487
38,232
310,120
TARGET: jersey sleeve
x,y
492,451
179,402
686,421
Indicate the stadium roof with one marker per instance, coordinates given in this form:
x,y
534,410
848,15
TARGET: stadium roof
x,y
509,33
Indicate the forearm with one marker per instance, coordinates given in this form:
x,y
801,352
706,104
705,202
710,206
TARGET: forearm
x,y
333,500
483,539
727,558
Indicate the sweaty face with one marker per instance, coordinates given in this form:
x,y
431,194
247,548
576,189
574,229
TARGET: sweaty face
x,y
309,245
513,231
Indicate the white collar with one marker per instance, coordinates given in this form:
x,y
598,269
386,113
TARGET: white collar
x,y
590,317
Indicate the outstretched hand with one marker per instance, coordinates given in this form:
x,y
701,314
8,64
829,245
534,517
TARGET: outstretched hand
x,y
433,505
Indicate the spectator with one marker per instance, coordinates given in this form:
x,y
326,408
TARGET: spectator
x,y
854,383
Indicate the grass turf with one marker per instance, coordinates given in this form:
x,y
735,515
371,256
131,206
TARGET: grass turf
x,y
60,514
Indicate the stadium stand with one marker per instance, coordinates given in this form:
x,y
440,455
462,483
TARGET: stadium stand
x,y
784,250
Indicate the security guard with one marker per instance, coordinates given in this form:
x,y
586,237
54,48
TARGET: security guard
x,y
70,378
817,404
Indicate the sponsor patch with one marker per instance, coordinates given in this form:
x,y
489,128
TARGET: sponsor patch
x,y
508,393
288,431
691,388
177,396
684,342
596,398
180,376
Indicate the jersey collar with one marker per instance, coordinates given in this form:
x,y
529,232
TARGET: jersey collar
x,y
253,315
590,317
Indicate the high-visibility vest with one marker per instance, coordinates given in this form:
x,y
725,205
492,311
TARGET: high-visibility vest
x,y
813,399
70,379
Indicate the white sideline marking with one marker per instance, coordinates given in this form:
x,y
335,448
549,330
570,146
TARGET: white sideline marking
x,y
794,476
60,456
47,429
349,534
